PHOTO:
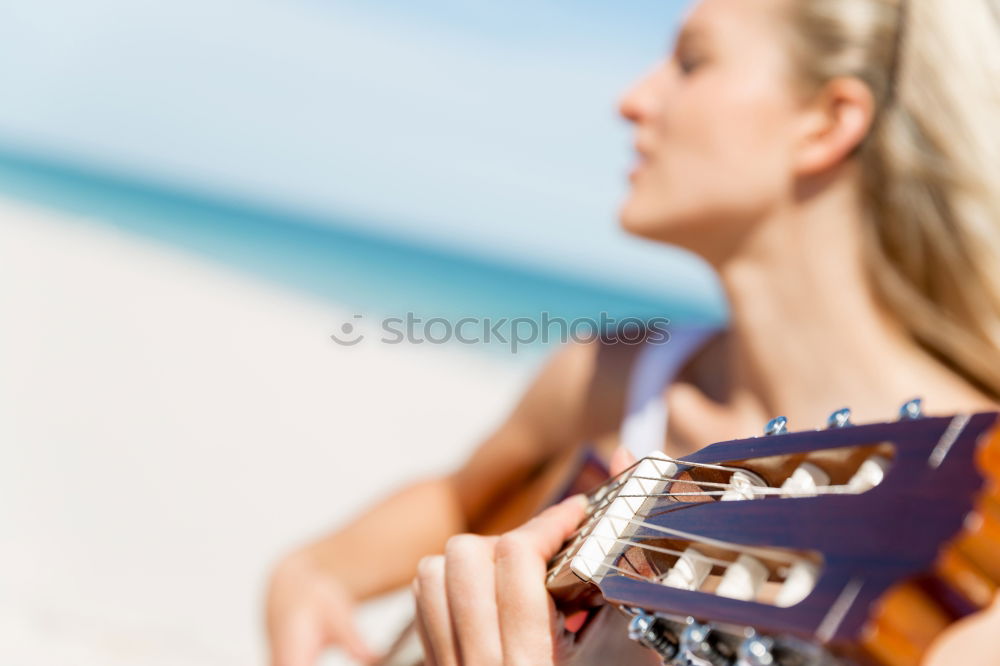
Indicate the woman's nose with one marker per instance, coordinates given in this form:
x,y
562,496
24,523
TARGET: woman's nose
x,y
628,106
639,100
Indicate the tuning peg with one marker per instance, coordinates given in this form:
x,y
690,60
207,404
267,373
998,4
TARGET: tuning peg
x,y
911,409
776,426
839,419
756,651
697,641
653,633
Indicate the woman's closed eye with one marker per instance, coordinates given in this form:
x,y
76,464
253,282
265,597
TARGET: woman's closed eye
x,y
688,64
690,51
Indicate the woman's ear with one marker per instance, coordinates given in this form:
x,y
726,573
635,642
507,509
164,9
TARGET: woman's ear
x,y
834,124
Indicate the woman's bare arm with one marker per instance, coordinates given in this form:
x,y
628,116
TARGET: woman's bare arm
x,y
379,550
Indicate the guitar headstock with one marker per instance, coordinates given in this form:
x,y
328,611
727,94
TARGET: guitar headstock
x,y
851,544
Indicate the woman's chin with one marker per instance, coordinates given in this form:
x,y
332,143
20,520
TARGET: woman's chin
x,y
637,222
630,218
661,229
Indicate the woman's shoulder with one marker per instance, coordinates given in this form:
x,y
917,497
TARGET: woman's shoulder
x,y
583,389
589,382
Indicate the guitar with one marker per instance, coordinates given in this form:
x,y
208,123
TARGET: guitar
x,y
850,545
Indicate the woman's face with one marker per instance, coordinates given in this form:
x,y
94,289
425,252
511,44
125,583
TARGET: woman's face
x,y
714,129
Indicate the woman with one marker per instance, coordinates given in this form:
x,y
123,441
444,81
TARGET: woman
x,y
831,159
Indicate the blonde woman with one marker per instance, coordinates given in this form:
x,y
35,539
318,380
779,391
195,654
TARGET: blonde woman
x,y
834,161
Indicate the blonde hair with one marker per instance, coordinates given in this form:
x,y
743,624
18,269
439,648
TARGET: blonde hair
x,y
933,243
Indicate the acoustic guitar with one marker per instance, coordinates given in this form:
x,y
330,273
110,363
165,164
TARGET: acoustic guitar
x,y
850,545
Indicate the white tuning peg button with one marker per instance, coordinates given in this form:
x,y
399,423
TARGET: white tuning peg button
x,y
742,579
869,475
689,572
804,481
743,485
799,583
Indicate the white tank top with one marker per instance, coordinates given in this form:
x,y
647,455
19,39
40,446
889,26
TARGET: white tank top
x,y
644,428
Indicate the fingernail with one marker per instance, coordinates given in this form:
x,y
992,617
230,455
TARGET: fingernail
x,y
579,499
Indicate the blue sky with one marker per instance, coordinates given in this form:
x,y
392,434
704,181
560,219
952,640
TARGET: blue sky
x,y
481,125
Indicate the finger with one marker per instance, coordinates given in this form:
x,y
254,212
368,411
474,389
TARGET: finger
x,y
432,608
299,643
425,641
345,634
524,606
621,460
547,531
469,584
339,627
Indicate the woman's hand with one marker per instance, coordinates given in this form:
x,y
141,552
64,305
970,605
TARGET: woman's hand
x,y
309,610
484,601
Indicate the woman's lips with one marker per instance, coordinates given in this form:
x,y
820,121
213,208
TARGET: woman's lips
x,y
641,159
634,173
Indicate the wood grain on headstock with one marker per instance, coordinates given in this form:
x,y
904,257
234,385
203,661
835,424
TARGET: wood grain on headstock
x,y
965,577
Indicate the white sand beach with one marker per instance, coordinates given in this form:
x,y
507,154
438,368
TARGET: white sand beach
x,y
169,426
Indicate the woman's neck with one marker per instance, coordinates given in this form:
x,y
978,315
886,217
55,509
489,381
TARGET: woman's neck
x,y
807,335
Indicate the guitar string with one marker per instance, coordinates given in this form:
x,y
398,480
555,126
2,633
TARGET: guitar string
x,y
608,498
760,552
635,573
607,565
671,507
787,560
595,510
572,542
667,459
660,549
691,463
608,495
716,562
624,477
595,516
762,491
620,479
561,557
774,492
608,489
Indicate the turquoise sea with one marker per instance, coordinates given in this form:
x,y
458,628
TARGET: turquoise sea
x,y
326,259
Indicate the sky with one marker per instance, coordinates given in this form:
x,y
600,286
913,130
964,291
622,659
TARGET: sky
x,y
484,126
